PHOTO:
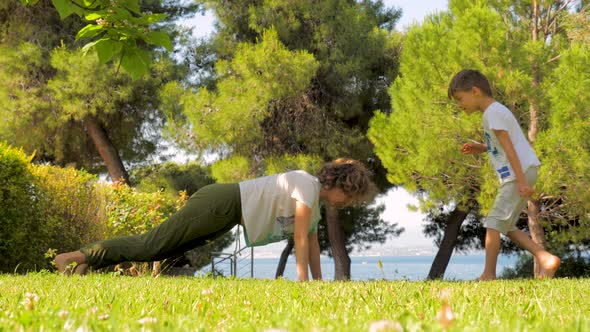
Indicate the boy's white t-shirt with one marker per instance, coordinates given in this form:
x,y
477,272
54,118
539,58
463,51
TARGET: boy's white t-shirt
x,y
499,117
268,205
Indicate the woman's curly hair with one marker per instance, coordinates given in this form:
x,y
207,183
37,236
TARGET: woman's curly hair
x,y
351,176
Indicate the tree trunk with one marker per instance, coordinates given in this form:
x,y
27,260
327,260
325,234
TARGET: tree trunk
x,y
533,104
106,149
108,152
337,245
441,260
535,21
534,206
284,256
535,228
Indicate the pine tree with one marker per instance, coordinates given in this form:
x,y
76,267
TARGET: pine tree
x,y
565,148
419,141
67,107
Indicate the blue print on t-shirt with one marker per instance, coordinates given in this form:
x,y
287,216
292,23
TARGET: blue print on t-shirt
x,y
491,149
504,172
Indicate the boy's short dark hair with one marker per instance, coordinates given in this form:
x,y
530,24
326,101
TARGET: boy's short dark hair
x,y
467,79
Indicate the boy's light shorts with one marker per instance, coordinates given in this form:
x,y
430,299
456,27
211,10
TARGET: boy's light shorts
x,y
509,204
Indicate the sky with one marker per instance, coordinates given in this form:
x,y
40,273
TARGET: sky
x,y
411,241
412,11
415,10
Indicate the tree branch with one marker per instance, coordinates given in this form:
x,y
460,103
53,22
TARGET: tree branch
x,y
553,19
546,29
554,58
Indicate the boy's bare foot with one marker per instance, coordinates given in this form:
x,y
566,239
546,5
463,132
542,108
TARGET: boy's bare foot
x,y
486,277
548,266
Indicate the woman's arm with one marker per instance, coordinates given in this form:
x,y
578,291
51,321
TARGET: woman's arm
x,y
314,257
300,235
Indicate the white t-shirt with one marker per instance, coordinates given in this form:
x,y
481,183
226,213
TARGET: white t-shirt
x,y
268,205
498,117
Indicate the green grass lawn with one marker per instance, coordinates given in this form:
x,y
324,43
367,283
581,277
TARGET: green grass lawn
x,y
118,303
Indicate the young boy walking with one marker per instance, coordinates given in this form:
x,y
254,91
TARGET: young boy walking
x,y
515,162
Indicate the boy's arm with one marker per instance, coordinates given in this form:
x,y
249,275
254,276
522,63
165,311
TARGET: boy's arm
x,y
473,148
524,189
300,235
314,257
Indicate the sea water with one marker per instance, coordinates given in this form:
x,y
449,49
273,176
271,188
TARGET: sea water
x,y
461,267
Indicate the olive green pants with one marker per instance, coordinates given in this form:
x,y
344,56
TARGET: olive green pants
x,y
209,213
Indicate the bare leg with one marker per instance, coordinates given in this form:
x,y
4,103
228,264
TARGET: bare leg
x,y
492,251
548,262
64,262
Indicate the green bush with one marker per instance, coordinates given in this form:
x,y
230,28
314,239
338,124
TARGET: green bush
x,y
18,212
46,209
130,211
72,206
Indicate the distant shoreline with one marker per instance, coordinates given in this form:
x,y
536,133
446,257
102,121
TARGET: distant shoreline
x,y
407,254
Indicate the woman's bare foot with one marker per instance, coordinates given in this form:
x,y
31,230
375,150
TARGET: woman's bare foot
x,y
64,262
486,277
548,266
